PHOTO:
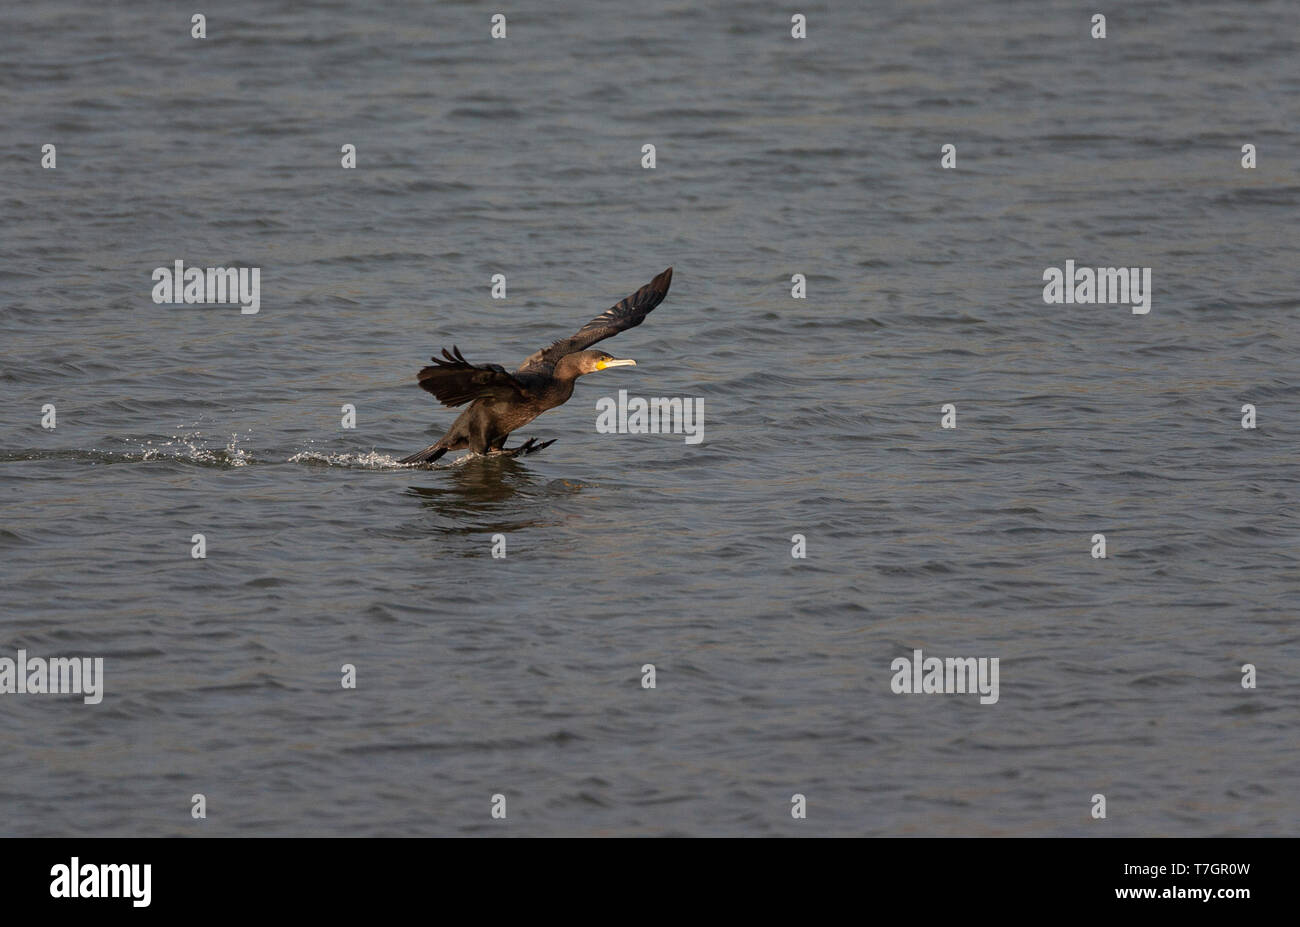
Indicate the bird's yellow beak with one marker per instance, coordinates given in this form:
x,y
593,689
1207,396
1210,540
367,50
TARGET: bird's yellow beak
x,y
625,362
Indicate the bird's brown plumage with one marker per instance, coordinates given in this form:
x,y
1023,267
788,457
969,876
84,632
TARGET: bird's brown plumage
x,y
455,381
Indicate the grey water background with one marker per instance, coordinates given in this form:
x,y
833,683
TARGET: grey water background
x,y
522,676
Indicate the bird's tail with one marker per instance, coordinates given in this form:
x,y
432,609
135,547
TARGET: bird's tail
x,y
428,455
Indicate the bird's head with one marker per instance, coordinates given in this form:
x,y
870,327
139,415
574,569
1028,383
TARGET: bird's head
x,y
591,361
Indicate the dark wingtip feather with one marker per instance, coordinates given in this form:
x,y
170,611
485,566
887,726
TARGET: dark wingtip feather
x,y
660,283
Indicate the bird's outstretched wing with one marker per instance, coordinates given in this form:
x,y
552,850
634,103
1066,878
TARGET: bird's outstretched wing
x,y
623,315
455,381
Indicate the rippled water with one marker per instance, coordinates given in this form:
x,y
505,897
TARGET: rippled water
x,y
521,676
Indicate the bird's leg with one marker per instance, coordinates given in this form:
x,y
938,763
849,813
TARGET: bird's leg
x,y
528,447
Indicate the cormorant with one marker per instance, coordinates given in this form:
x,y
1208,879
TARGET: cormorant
x,y
501,402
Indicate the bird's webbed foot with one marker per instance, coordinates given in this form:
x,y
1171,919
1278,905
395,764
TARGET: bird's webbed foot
x,y
528,447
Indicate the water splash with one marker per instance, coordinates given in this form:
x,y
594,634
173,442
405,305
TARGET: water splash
x,y
185,447
180,448
371,460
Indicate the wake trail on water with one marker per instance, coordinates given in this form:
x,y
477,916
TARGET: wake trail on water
x,y
192,449
177,448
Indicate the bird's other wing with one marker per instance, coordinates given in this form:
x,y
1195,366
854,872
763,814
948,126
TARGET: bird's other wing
x,y
455,381
623,315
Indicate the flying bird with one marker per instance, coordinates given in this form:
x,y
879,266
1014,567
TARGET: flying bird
x,y
500,402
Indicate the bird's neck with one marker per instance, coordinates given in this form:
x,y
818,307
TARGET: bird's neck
x,y
568,368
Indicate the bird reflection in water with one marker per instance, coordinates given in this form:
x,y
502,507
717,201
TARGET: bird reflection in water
x,y
474,494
